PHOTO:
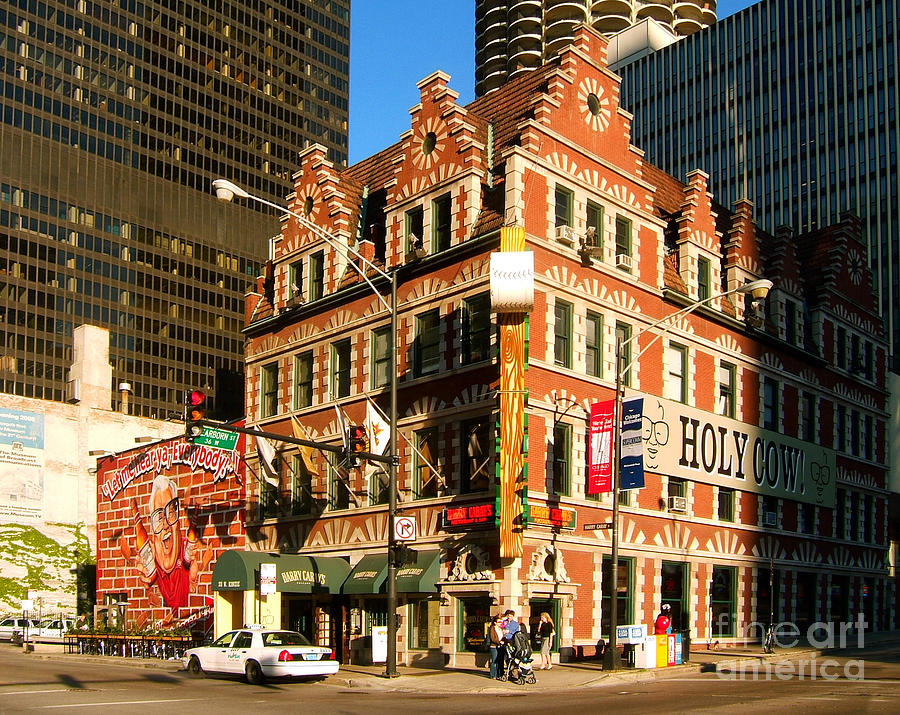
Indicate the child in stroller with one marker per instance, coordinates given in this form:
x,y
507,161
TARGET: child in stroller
x,y
518,660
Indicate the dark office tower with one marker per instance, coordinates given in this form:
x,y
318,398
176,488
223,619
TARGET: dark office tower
x,y
114,119
793,104
514,36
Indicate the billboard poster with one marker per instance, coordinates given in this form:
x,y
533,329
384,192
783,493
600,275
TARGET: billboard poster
x,y
686,442
164,514
21,465
632,441
600,467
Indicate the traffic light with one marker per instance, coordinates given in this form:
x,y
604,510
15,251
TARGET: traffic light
x,y
405,556
194,410
357,442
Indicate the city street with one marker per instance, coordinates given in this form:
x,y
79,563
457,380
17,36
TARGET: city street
x,y
30,683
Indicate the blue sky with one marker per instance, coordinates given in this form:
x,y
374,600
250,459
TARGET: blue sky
x,y
395,43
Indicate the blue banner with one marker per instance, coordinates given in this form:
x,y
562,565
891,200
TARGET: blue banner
x,y
632,459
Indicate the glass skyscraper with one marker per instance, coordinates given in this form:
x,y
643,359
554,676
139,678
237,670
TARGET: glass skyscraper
x,y
114,119
793,104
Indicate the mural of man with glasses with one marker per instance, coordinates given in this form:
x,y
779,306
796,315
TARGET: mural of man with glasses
x,y
176,558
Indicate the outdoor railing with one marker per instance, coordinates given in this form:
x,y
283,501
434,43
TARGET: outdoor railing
x,y
130,645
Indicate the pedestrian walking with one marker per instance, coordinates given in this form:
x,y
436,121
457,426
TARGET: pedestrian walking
x,y
546,632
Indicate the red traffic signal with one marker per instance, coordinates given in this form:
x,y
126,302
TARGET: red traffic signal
x,y
194,410
357,442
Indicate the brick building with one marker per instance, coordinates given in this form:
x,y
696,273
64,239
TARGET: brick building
x,y
544,165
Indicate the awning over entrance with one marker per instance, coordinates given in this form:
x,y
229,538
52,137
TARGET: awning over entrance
x,y
368,575
422,576
295,573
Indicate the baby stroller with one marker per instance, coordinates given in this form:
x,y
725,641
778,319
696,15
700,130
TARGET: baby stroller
x,y
518,660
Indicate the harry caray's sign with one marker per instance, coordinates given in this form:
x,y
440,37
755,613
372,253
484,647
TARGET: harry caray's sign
x,y
685,442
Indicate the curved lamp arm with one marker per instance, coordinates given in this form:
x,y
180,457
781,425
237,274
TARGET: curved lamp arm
x,y
226,191
758,288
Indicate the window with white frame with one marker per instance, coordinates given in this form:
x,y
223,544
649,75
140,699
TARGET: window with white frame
x,y
676,383
807,417
427,480
726,404
594,225
414,228
623,242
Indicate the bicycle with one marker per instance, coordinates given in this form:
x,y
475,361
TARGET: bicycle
x,y
769,642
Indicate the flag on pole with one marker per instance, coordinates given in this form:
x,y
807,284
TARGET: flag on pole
x,y
378,429
306,453
266,453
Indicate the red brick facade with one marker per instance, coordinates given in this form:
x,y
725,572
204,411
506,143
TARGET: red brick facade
x,y
550,151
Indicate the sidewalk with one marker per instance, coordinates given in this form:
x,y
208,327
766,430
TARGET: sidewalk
x,y
565,676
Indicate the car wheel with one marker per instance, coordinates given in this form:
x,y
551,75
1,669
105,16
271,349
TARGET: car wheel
x,y
254,672
194,667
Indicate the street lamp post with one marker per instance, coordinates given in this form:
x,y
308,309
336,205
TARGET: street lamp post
x,y
759,289
226,191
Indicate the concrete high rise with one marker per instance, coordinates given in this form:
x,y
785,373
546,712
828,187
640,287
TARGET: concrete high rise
x,y
114,118
792,104
518,35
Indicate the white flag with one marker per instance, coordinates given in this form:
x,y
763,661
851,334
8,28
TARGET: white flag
x,y
377,428
266,453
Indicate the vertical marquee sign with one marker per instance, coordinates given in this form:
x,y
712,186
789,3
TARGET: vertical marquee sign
x,y
600,469
512,296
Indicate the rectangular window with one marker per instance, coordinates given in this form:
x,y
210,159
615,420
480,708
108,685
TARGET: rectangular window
x,y
301,487
727,379
425,624
593,348
677,487
868,522
770,404
840,514
295,278
426,480
623,241
624,590
840,426
562,333
303,380
317,275
338,483
840,348
807,416
440,223
868,437
674,590
623,338
381,357
806,518
594,223
870,361
703,279
269,402
340,368
790,322
726,504
562,455
427,350
854,516
564,203
267,508
855,420
857,365
414,228
722,601
477,460
676,385
476,328
379,483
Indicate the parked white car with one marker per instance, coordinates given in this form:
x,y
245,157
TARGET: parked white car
x,y
260,653
54,627
17,624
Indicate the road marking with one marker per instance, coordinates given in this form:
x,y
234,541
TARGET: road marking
x,y
118,702
35,692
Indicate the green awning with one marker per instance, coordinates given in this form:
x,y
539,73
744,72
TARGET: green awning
x,y
368,575
422,576
295,573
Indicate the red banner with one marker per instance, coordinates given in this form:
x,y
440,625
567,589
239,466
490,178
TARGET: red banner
x,y
600,466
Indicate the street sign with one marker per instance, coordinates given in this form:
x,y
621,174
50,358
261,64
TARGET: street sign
x,y
215,437
595,527
404,528
266,579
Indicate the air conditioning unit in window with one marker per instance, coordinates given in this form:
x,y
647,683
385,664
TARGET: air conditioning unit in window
x,y
624,261
565,234
678,504
770,518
